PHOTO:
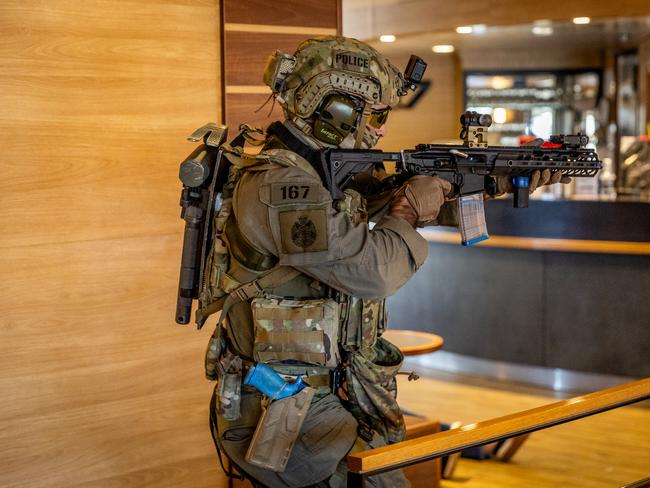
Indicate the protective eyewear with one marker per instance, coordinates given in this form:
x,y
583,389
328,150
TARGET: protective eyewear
x,y
378,117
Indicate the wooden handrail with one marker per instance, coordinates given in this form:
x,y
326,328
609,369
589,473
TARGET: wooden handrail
x,y
644,483
362,464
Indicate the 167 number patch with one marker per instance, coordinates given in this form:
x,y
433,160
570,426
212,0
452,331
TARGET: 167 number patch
x,y
293,193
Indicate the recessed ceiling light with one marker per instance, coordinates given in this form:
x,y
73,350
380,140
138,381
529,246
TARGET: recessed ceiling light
x,y
581,20
387,38
465,29
542,30
443,48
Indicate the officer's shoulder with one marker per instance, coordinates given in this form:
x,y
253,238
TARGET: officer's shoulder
x,y
293,163
291,181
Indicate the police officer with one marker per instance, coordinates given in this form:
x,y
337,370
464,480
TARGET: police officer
x,y
305,277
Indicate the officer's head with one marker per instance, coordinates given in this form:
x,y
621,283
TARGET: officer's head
x,y
337,90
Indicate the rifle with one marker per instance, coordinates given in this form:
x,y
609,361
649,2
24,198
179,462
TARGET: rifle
x,y
471,167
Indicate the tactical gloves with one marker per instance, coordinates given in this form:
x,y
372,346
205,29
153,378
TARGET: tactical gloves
x,y
419,200
537,179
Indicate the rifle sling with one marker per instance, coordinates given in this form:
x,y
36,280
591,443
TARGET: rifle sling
x,y
294,144
279,133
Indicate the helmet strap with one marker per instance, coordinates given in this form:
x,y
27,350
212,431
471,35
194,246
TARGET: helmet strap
x,y
301,124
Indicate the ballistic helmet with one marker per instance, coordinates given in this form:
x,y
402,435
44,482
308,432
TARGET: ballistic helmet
x,y
330,84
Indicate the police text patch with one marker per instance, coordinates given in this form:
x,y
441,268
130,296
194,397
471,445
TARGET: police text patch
x,y
350,61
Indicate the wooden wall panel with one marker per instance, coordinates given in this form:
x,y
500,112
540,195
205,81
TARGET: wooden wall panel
x,y
242,109
435,117
246,54
100,387
94,174
313,13
252,31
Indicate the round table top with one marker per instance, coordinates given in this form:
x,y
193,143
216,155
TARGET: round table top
x,y
414,343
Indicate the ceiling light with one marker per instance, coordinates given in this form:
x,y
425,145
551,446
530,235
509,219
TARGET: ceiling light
x,y
465,29
443,48
542,30
581,20
387,38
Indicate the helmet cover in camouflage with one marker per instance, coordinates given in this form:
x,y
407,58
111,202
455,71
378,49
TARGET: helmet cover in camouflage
x,y
335,64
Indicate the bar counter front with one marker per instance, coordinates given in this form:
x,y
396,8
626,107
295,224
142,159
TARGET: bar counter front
x,y
561,284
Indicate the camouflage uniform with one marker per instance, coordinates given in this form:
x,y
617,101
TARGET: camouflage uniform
x,y
282,213
333,250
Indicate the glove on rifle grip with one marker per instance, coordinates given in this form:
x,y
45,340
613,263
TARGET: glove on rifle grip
x,y
400,207
420,199
266,380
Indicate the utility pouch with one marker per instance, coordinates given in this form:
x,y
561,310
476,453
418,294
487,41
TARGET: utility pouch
x,y
229,393
300,330
216,348
217,260
372,389
278,429
362,322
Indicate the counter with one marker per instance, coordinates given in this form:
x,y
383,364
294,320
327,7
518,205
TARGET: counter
x,y
560,284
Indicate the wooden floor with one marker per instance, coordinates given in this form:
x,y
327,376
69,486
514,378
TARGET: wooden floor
x,y
607,450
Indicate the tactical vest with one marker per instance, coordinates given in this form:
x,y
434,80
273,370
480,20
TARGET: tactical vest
x,y
315,337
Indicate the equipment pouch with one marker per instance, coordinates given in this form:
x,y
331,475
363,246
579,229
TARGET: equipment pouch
x,y
229,393
278,429
300,330
372,388
216,348
362,322
217,261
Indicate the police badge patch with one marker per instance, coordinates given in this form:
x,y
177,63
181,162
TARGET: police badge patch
x,y
303,230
